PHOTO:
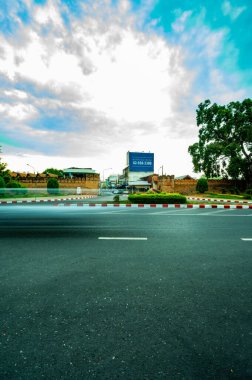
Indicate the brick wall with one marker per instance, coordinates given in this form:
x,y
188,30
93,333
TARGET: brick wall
x,y
188,186
63,183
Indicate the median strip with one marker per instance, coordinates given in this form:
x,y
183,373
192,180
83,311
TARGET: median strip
x,y
122,238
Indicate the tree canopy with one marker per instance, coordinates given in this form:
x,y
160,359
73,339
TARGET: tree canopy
x,y
58,172
3,167
225,140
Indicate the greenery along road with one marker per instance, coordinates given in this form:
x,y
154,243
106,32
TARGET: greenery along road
x,y
225,140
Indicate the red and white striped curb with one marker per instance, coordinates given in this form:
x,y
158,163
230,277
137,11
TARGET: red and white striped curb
x,y
16,201
219,200
155,205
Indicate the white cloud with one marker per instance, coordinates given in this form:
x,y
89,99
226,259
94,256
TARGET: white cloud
x,y
232,12
18,112
129,76
179,24
112,87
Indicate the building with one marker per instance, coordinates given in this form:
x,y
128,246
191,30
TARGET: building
x,y
79,172
139,166
86,177
112,181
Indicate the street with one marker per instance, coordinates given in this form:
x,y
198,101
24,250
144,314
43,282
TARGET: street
x,y
125,293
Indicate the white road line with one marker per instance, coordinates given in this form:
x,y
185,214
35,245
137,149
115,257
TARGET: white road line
x,y
122,238
246,239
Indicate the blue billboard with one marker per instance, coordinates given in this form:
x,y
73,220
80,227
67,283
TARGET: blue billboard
x,y
141,162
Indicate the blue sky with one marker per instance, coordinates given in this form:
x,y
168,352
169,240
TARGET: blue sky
x,y
83,82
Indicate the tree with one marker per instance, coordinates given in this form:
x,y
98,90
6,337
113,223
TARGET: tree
x,y
225,140
202,185
3,167
58,172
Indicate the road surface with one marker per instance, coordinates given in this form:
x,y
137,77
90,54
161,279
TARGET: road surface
x,y
127,293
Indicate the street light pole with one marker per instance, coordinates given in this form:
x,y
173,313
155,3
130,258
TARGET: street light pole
x,y
35,178
103,178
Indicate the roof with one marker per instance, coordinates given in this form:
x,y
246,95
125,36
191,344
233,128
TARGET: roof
x,y
80,170
184,177
138,183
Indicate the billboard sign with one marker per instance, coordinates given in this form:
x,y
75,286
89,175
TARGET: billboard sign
x,y
141,162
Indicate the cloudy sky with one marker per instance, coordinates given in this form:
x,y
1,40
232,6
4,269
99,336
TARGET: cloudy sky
x,y
84,81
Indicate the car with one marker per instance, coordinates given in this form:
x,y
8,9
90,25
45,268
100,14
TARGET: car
x,y
118,191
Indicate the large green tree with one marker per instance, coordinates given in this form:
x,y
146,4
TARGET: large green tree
x,y
58,172
225,140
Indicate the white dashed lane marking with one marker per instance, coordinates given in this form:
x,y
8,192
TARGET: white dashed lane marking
x,y
122,238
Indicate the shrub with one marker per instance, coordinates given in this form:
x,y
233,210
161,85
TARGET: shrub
x,y
202,185
13,185
162,198
116,198
52,186
248,191
2,186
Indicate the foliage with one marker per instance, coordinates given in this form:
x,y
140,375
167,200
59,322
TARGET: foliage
x,y
52,186
151,191
58,172
3,169
19,188
2,183
161,198
225,140
116,198
13,185
202,185
248,191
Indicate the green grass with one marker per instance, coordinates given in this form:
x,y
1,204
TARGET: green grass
x,y
223,196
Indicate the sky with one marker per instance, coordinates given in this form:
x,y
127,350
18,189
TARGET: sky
x,y
84,81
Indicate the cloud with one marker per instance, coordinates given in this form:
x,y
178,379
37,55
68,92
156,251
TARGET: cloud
x,y
232,12
106,80
98,82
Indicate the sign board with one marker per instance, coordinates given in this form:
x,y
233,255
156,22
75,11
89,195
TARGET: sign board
x,y
141,162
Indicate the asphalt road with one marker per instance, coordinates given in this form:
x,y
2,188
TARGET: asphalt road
x,y
104,293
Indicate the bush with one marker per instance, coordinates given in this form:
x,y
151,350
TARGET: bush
x,y
2,186
13,185
161,198
248,191
202,185
116,198
2,183
52,186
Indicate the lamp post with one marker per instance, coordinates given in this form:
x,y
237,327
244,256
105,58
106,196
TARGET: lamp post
x,y
103,178
35,178
31,167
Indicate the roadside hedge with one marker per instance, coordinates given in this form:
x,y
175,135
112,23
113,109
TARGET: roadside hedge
x,y
161,198
53,186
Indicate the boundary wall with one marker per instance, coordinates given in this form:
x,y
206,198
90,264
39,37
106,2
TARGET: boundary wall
x,y
188,186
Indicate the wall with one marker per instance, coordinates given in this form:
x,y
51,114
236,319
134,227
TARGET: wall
x,y
188,186
63,183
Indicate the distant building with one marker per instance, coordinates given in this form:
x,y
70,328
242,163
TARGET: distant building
x,y
80,172
112,180
139,166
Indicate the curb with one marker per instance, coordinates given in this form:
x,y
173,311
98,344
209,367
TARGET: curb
x,y
219,200
45,200
154,205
